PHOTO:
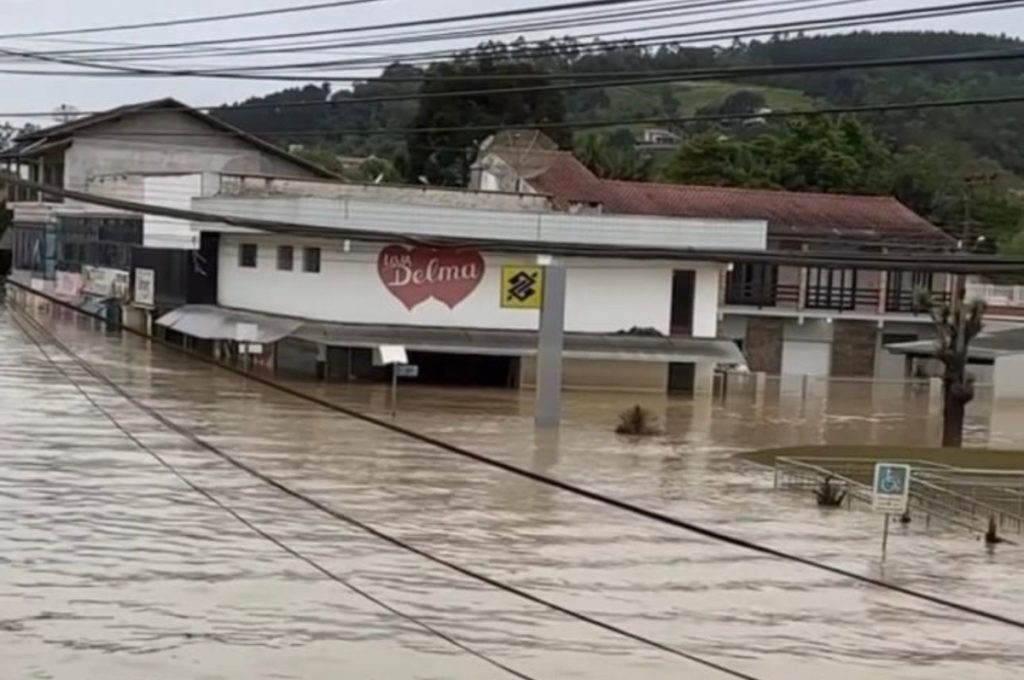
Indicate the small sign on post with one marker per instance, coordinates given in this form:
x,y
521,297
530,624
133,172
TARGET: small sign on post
x,y
890,494
397,358
411,371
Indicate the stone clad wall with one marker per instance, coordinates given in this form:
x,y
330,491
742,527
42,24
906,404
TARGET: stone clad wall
x,y
763,345
853,349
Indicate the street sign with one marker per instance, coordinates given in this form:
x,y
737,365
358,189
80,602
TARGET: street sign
x,y
407,370
522,287
891,490
145,287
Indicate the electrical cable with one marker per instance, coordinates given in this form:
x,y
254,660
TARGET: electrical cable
x,y
933,11
380,535
413,23
592,124
953,263
539,477
625,79
210,496
621,19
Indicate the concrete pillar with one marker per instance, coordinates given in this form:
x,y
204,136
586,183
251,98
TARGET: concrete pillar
x,y
934,396
551,341
760,386
704,378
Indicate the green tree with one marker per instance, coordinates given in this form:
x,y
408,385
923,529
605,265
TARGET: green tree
x,y
716,159
448,130
957,324
614,156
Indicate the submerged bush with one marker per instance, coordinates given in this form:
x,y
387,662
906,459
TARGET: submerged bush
x,y
830,494
638,422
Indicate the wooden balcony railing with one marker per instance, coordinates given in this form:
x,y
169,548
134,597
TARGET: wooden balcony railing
x,y
761,295
839,299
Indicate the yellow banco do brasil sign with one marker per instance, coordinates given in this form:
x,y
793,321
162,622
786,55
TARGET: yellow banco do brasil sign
x,y
522,287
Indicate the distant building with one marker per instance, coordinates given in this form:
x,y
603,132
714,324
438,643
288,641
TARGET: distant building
x,y
790,320
94,249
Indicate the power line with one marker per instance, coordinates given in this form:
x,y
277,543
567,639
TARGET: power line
x,y
588,80
433,21
210,496
593,124
676,9
191,20
943,263
537,477
376,533
522,52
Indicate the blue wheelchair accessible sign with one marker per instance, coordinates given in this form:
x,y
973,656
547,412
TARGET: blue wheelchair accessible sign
x,y
891,490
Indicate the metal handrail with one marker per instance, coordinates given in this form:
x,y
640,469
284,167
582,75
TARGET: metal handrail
x,y
939,502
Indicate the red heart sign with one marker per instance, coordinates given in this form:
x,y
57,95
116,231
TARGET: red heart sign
x,y
417,274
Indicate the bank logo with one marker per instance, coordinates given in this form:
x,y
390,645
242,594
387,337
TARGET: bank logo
x,y
522,287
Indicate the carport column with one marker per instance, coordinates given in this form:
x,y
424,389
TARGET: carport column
x,y
704,378
550,343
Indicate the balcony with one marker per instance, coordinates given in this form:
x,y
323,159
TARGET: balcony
x,y
1003,301
834,291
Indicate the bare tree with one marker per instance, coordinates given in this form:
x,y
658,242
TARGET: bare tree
x,y
957,324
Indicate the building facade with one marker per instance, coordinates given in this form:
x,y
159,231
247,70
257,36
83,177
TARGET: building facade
x,y
789,320
90,254
465,314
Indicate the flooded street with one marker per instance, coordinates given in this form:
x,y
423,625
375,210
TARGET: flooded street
x,y
112,568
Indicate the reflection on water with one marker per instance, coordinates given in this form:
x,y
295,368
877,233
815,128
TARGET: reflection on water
x,y
110,568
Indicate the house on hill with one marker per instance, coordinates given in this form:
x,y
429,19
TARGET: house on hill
x,y
790,320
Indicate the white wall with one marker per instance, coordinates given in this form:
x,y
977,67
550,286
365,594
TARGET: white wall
x,y
603,296
181,144
705,302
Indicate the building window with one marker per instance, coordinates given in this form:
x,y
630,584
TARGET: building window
x,y
311,260
829,288
285,258
248,253
752,284
903,288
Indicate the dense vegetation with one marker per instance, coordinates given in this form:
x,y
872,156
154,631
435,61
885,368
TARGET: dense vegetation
x,y
952,165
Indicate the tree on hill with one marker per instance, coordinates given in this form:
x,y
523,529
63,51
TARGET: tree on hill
x,y
448,130
815,154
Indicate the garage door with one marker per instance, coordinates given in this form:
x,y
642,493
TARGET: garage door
x,y
806,358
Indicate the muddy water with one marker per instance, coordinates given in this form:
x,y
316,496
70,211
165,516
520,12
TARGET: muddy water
x,y
111,568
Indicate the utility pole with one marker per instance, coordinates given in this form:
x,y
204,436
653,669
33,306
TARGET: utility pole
x,y
551,340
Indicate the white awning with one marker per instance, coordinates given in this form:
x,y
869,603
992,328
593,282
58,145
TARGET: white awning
x,y
218,323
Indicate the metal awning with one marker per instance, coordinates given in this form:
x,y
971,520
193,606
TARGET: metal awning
x,y
984,349
211,322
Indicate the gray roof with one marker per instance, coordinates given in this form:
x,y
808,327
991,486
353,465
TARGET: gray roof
x,y
33,142
219,323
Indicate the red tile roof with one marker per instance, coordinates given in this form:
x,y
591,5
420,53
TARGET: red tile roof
x,y
789,214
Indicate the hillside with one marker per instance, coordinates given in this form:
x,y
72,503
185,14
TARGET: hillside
x,y
925,151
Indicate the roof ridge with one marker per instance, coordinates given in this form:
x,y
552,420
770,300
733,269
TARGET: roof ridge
x,y
752,190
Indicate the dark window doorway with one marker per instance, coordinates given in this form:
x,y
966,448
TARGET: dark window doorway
x,y
752,284
681,378
466,370
830,288
684,287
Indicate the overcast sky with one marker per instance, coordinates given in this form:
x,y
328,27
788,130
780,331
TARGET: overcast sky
x,y
21,93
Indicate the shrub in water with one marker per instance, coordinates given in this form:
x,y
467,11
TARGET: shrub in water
x,y
637,421
830,495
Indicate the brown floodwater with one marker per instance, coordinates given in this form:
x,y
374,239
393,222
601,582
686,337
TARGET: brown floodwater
x,y
111,568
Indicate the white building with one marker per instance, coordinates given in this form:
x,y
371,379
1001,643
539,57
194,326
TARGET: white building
x,y
466,314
